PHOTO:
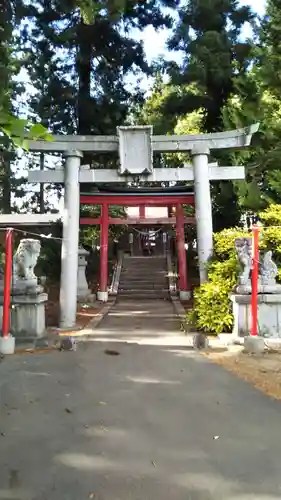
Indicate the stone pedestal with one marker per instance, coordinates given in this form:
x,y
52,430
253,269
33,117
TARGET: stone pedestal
x,y
83,291
185,295
102,296
7,345
254,345
27,315
269,315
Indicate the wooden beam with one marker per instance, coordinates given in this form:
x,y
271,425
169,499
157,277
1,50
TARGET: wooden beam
x,y
135,200
89,221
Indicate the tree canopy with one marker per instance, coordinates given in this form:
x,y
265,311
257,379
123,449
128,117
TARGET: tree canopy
x,y
77,66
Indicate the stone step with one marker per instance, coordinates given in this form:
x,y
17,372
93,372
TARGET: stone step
x,y
146,258
137,262
143,280
140,270
143,295
143,290
141,287
144,272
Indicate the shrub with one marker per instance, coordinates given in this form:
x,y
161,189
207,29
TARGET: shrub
x,y
224,242
212,305
212,310
271,216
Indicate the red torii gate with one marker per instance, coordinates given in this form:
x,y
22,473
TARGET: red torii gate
x,y
141,200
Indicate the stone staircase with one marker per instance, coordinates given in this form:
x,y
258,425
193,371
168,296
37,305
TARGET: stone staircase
x,y
144,278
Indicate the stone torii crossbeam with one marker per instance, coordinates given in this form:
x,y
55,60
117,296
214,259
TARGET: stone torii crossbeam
x,y
136,146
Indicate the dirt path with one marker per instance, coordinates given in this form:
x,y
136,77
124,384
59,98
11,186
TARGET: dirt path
x,y
263,371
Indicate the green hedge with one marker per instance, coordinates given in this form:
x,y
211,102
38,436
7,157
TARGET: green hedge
x,y
212,305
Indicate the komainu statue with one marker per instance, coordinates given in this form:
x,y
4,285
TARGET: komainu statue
x,y
268,269
25,259
243,248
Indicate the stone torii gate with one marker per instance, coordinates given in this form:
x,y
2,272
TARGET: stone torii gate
x,y
136,146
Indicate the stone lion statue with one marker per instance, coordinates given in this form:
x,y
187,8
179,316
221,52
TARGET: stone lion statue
x,y
268,269
25,259
243,248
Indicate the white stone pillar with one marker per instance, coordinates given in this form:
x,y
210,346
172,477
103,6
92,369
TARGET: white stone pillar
x,y
69,250
203,209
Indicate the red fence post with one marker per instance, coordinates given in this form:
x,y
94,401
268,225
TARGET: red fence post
x,y
183,279
103,253
255,276
7,283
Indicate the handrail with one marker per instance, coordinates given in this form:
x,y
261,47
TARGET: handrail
x,y
116,275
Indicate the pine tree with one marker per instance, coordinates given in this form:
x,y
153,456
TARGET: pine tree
x,y
212,68
270,47
9,67
92,60
80,68
207,35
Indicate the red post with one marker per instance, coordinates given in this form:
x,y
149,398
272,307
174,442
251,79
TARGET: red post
x,y
142,211
7,283
183,281
104,248
255,275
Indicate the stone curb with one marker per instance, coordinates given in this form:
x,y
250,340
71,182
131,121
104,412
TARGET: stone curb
x,y
180,311
94,322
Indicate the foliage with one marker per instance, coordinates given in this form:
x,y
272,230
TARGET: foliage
x,y
271,233
271,216
212,312
207,35
212,306
19,131
89,62
224,242
270,49
49,262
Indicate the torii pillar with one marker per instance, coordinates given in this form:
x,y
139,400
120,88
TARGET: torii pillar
x,y
103,285
70,241
184,288
203,209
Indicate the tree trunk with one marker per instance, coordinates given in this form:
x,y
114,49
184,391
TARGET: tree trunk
x,y
84,67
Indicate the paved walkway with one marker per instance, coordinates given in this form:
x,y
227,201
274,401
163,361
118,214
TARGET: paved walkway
x,y
149,322
154,423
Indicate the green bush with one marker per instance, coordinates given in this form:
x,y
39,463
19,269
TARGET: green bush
x,y
212,305
212,310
